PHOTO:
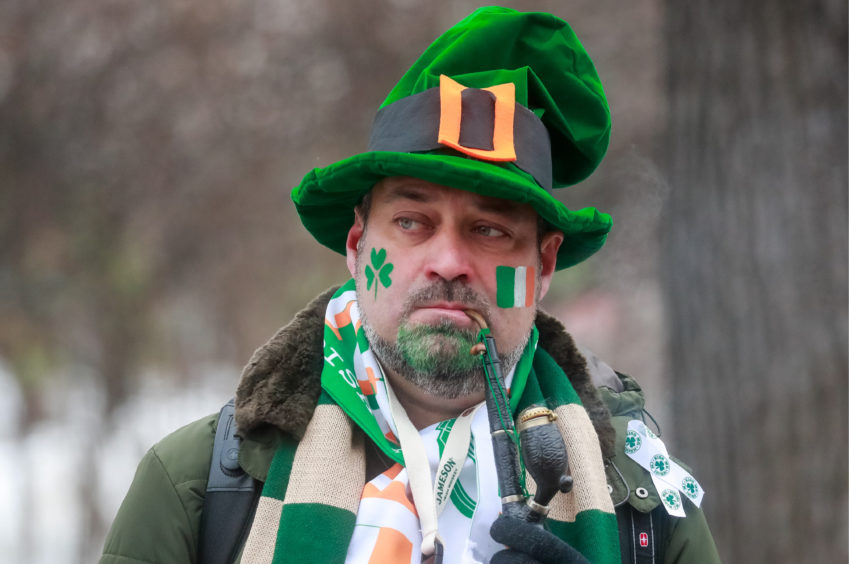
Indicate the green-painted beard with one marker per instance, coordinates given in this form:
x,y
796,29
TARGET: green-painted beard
x,y
435,358
438,349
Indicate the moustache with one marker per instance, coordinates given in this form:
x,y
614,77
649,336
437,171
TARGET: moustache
x,y
448,291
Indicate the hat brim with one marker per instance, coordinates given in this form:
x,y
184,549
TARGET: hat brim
x,y
326,197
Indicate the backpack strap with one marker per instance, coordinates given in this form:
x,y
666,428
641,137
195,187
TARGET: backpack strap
x,y
642,536
231,496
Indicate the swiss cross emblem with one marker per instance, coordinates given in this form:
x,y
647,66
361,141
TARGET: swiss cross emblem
x,y
644,539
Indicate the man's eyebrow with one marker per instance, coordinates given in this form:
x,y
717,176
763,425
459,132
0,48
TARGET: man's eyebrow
x,y
498,205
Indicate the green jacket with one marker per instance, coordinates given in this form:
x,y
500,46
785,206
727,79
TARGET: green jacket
x,y
159,520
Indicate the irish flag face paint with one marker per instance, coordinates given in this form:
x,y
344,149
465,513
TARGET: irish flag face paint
x,y
515,286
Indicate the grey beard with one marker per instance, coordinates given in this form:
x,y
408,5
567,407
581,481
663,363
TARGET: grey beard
x,y
451,371
444,379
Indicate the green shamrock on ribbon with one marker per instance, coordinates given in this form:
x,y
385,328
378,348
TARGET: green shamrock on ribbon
x,y
690,487
381,267
633,442
659,465
671,499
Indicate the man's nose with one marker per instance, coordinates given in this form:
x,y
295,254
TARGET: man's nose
x,y
449,257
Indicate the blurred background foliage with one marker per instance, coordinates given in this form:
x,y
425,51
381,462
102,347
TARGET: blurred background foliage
x,y
146,233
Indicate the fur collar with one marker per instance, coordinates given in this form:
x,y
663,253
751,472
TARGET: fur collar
x,y
281,383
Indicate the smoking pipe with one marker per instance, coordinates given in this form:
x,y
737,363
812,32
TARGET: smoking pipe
x,y
543,449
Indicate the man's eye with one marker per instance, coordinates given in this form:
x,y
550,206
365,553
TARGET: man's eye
x,y
407,224
489,231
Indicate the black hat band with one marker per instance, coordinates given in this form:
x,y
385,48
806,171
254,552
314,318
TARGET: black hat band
x,y
412,124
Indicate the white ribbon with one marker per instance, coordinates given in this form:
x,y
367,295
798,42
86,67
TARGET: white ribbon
x,y
669,478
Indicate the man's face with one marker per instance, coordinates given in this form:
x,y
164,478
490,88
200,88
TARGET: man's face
x,y
427,253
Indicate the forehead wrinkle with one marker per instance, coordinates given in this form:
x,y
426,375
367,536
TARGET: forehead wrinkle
x,y
406,192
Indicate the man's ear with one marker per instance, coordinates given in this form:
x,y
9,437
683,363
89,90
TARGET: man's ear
x,y
548,248
355,233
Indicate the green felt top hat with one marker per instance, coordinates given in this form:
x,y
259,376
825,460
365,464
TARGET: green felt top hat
x,y
505,104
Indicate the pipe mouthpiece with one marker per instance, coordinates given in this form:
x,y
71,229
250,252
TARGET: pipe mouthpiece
x,y
475,316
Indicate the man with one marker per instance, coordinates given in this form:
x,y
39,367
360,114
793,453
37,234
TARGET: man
x,y
361,418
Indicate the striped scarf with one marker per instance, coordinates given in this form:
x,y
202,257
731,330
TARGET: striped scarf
x,y
315,489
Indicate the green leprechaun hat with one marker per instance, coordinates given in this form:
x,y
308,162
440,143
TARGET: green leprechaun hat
x,y
505,104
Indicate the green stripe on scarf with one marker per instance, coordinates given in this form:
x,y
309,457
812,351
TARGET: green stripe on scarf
x,y
548,386
594,534
279,471
313,533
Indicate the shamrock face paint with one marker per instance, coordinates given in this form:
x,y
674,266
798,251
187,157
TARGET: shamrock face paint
x,y
515,286
378,271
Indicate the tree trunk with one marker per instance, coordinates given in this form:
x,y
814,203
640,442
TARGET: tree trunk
x,y
754,268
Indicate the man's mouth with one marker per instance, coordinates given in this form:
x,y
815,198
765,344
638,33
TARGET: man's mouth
x,y
442,311
443,305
